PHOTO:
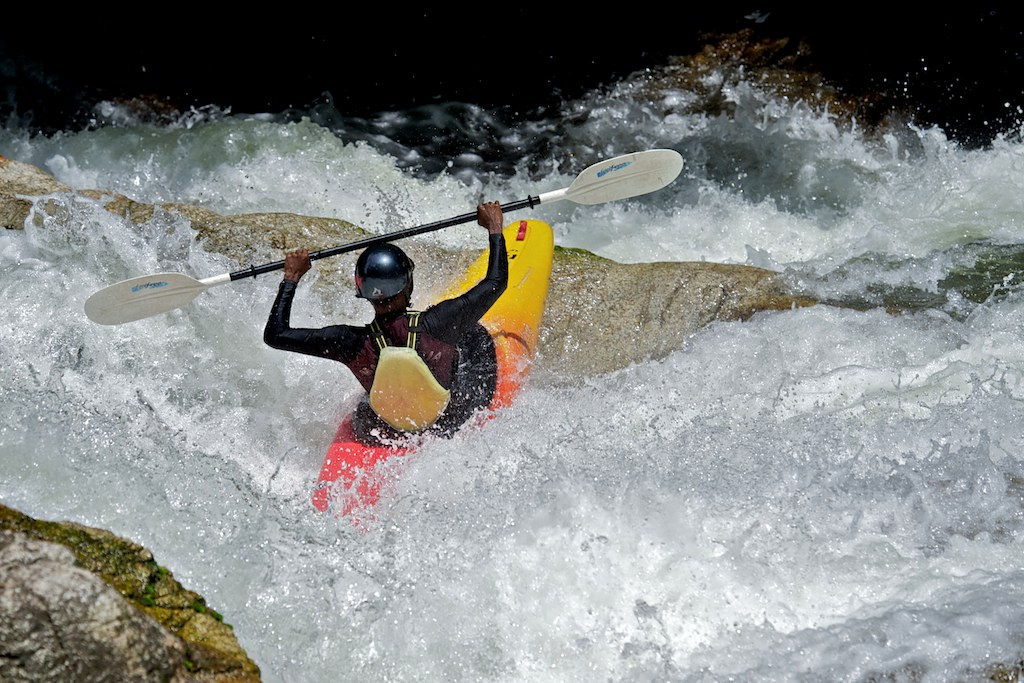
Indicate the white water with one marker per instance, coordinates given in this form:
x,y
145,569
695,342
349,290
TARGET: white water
x,y
816,494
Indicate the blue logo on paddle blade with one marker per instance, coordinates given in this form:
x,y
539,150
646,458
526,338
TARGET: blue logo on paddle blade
x,y
616,167
148,285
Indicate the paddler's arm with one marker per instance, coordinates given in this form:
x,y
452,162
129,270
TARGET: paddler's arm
x,y
489,215
449,319
275,334
495,280
337,342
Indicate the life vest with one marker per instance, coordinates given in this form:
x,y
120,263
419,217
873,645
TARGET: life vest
x,y
405,393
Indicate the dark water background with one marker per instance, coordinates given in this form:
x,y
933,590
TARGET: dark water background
x,y
960,67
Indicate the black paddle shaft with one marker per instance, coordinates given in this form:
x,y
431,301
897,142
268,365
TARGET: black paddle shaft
x,y
253,271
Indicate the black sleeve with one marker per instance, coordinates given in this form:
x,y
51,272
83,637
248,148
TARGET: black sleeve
x,y
336,342
448,320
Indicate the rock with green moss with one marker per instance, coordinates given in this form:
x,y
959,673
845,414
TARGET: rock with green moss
x,y
78,602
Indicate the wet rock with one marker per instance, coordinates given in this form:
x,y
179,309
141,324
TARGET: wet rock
x,y
603,315
18,183
82,604
59,622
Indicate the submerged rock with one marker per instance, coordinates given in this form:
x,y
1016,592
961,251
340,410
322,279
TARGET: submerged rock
x,y
603,315
600,315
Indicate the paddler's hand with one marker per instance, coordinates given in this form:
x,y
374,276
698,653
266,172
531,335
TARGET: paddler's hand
x,y
489,216
296,264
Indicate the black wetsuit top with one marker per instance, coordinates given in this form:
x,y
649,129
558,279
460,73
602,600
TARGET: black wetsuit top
x,y
456,347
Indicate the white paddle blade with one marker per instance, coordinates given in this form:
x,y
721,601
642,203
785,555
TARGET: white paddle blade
x,y
141,297
625,176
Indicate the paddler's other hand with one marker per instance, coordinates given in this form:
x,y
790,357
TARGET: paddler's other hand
x,y
296,264
489,215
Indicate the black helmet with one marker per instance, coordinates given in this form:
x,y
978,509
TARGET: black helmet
x,y
382,271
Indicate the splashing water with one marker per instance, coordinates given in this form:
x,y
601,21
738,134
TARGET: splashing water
x,y
829,493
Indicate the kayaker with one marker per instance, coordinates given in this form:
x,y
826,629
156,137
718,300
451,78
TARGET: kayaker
x,y
423,371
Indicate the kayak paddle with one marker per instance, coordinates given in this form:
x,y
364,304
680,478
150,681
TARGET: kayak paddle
x,y
621,177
